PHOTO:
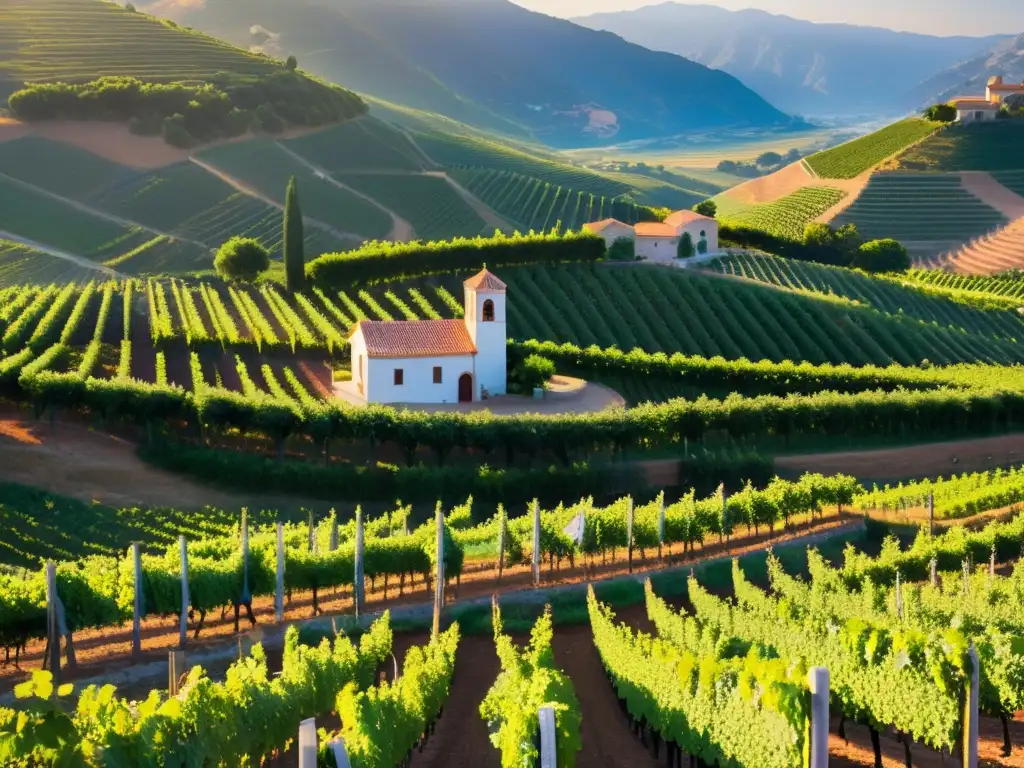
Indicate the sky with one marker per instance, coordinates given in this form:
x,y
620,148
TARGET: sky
x,y
936,17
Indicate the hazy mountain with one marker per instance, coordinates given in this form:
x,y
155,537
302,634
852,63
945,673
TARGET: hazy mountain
x,y
799,66
489,63
968,78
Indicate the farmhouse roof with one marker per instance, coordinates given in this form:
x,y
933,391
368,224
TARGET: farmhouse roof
x,y
1007,87
603,224
485,281
414,338
655,229
680,218
974,102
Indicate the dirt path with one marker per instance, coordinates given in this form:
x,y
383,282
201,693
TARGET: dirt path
x,y
983,186
401,230
58,254
894,464
245,189
490,217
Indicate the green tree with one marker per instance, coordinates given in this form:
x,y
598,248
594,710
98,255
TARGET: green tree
x,y
241,258
292,63
942,113
702,245
882,256
294,239
685,248
623,249
707,208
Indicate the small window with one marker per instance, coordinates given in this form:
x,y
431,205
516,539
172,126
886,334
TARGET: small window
x,y
399,377
437,374
488,311
703,233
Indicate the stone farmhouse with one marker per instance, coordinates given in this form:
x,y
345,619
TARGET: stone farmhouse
x,y
972,109
435,361
659,241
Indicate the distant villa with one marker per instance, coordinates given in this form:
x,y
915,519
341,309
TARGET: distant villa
x,y
971,109
657,240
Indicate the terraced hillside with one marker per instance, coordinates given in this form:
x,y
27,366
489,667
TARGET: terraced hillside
x,y
786,217
367,144
884,294
920,207
80,40
861,155
995,146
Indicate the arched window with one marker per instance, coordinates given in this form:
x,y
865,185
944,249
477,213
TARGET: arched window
x,y
703,233
488,311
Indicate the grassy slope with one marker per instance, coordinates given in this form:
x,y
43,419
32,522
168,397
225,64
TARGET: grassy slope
x,y
786,217
860,155
997,146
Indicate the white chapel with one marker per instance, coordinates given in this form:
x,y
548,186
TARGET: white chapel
x,y
435,361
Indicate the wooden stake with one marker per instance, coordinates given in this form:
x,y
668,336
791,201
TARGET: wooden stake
x,y
819,686
307,743
52,625
359,584
661,524
183,622
279,594
629,533
970,737
439,575
175,671
536,543
137,608
548,734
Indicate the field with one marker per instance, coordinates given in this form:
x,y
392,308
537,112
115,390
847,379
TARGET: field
x,y
20,264
919,207
1011,287
38,36
266,167
861,155
60,168
886,295
995,146
786,217
366,144
538,205
429,203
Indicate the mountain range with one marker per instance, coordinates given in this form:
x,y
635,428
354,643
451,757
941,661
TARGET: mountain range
x,y
969,77
804,67
492,64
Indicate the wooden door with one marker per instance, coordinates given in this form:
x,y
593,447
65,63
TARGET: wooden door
x,y
466,388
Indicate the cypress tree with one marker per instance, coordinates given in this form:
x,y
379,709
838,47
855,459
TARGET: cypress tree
x,y
294,256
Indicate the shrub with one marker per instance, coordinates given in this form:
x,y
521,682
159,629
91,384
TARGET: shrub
x,y
685,248
882,256
241,258
530,373
707,208
941,113
292,63
176,134
623,249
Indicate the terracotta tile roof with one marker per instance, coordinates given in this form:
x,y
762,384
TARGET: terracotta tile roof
x,y
415,338
486,281
1006,87
679,218
655,229
974,101
603,224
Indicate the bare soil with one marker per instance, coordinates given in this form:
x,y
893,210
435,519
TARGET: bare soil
x,y
894,464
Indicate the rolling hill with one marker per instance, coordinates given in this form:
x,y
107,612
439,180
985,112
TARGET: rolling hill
x,y
968,77
492,64
799,66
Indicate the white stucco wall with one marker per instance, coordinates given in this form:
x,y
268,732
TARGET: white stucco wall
x,y
490,340
614,231
710,228
970,115
357,346
656,248
418,379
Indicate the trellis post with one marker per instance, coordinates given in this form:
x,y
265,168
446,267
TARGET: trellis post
x,y
137,608
307,743
629,532
439,575
934,575
337,747
501,540
819,686
334,533
548,744
246,596
52,625
661,524
312,532
358,584
279,592
931,513
175,670
183,621
970,738
536,543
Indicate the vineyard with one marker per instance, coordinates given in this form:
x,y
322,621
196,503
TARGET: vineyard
x,y
538,205
919,207
357,145
958,496
994,146
71,40
786,217
886,295
729,681
861,155
20,264
1008,286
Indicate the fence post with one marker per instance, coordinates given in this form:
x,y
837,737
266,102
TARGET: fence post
x,y
307,743
312,532
548,745
334,533
819,684
439,575
992,563
536,543
246,596
52,624
183,623
279,592
340,753
970,738
137,608
629,533
175,669
661,524
899,597
358,584
931,513
934,575
501,540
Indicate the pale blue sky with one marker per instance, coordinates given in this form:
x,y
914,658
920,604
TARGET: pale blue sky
x,y
939,17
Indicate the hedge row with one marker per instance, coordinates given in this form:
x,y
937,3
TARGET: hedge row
x,y
389,261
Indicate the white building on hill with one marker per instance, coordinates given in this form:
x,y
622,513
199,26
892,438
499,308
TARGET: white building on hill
x,y
435,361
972,109
659,241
